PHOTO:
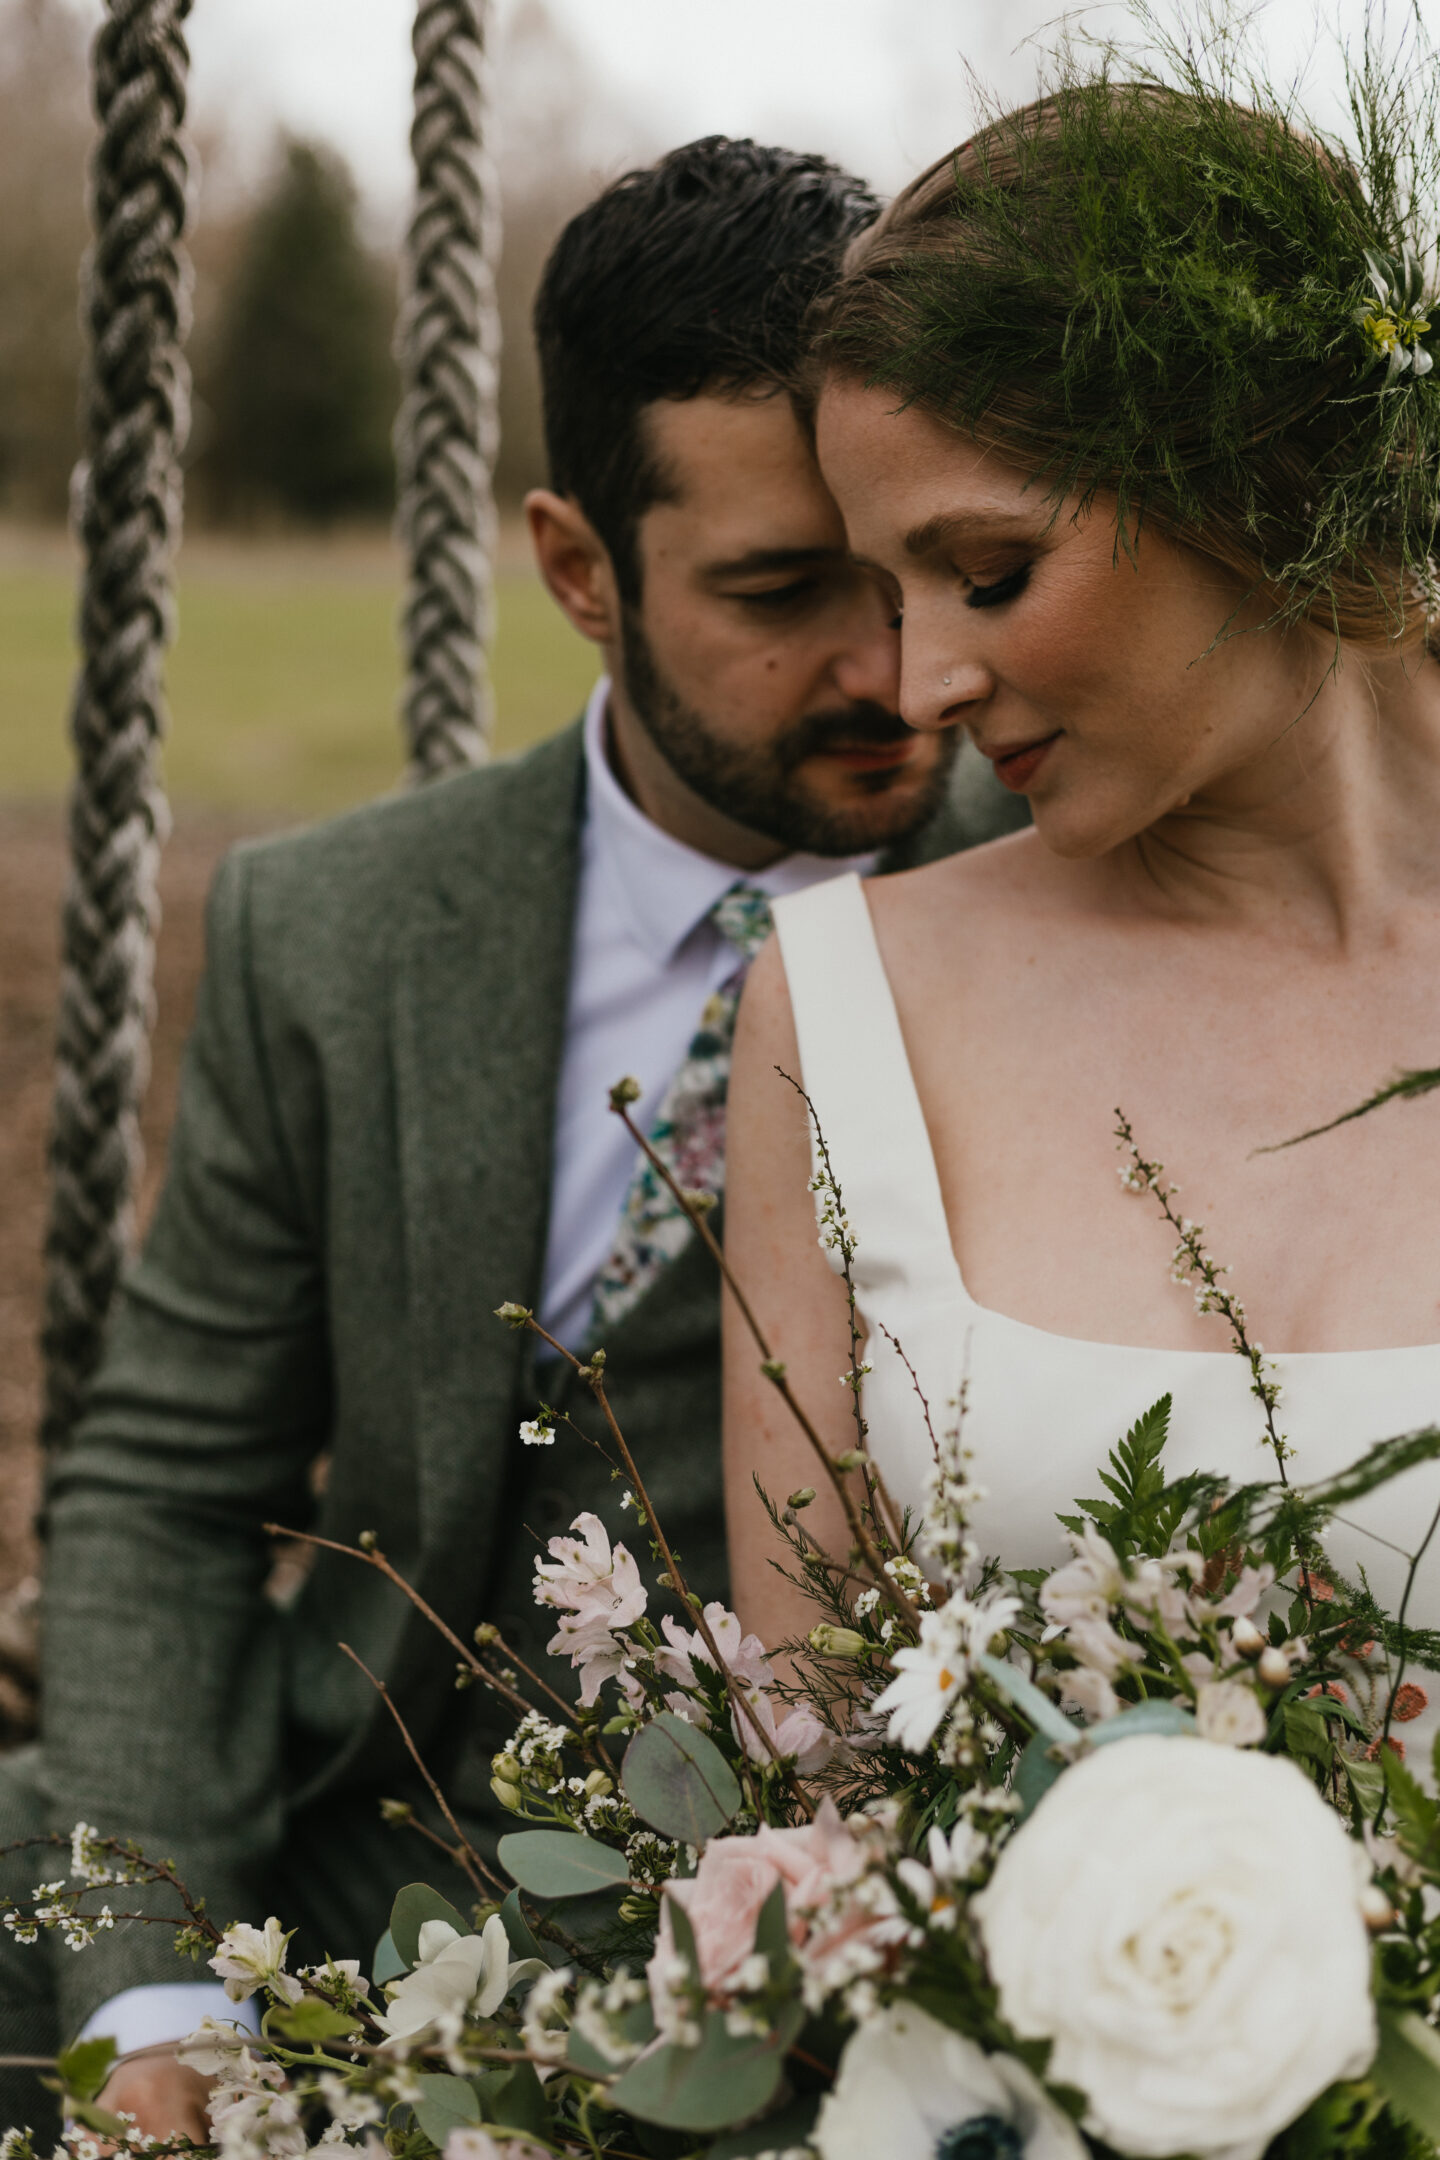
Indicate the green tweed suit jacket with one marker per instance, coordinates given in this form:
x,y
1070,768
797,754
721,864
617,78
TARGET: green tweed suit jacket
x,y
359,1174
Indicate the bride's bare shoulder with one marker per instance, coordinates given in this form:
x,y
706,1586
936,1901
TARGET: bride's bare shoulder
x,y
1014,874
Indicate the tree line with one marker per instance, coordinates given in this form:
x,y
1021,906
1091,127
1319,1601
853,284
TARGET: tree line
x,y
296,383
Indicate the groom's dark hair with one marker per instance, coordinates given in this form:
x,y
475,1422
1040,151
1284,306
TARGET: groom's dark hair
x,y
693,275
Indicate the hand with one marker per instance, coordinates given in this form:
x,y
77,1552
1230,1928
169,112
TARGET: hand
x,y
167,2098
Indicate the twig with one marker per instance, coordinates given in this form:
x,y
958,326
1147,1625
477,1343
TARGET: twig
x,y
470,1863
1414,1570
774,1372
593,1374
1405,1087
372,1556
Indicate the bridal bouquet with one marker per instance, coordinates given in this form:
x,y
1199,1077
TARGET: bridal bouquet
x,y
1125,1857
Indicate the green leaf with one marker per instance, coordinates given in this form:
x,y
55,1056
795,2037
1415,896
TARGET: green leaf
x,y
677,1780
96,2118
1028,1699
85,2065
1169,1719
707,2087
1035,1773
1407,2068
560,1863
523,1943
772,1933
1307,1738
636,2024
310,2019
517,2101
790,2129
446,2104
413,1906
1367,1783
388,1963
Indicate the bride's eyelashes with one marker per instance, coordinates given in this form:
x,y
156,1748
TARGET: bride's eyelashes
x,y
1002,589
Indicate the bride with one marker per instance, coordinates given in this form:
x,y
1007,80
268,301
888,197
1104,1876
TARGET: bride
x,y
1153,496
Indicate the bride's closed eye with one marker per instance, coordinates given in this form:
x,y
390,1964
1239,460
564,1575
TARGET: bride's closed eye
x,y
1003,589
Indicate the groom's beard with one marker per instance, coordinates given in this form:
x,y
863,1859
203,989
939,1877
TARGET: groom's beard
x,y
778,787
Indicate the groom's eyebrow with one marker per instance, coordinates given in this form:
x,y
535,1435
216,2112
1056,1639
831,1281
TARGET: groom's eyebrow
x,y
756,562
964,524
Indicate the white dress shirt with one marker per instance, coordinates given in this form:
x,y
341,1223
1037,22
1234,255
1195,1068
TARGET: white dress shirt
x,y
644,962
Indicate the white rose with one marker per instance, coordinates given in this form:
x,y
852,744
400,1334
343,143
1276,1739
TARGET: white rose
x,y
1183,1921
908,2086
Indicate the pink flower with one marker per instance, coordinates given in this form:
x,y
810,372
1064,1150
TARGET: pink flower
x,y
597,1590
796,1732
723,1898
744,1655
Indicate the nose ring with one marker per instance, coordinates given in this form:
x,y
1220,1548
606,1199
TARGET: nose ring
x,y
946,680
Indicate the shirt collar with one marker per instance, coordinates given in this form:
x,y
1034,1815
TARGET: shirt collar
x,y
663,888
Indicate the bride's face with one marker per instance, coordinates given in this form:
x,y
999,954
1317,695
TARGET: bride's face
x,y
1089,676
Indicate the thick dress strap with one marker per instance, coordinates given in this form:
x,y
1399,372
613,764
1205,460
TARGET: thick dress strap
x,y
856,1071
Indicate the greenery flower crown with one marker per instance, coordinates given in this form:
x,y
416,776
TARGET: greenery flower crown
x,y
1163,283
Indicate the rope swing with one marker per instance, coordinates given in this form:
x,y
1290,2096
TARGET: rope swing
x,y
135,285
136,413
449,427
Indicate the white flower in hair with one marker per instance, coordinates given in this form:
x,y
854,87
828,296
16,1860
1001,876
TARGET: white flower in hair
x,y
909,2088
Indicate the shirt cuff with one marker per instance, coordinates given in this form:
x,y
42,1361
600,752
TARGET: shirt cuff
x,y
142,2017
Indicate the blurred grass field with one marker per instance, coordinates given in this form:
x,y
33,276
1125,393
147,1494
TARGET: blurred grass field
x,y
285,677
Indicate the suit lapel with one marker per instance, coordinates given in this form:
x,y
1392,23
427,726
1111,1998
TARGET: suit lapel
x,y
480,995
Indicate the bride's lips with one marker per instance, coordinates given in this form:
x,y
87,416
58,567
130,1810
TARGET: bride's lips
x,y
1018,765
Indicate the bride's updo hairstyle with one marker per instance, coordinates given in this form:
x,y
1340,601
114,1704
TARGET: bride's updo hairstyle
x,y
1194,306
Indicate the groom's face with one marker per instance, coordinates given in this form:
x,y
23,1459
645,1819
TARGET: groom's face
x,y
756,680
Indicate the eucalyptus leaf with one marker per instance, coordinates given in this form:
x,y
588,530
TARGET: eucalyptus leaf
x,y
789,2130
446,2104
413,1906
561,1863
707,2087
677,1780
517,2101
1035,1773
772,1933
523,1942
635,2024
1168,1719
1407,2068
1028,1699
387,1963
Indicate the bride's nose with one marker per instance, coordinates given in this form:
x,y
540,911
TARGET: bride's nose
x,y
940,683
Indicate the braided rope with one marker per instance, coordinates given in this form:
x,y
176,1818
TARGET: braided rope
x,y
448,430
136,304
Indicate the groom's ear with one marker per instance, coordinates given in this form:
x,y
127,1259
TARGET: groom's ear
x,y
575,564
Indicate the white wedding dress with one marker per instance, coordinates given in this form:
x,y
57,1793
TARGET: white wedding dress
x,y
1043,1410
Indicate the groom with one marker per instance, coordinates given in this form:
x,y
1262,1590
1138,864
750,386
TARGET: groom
x,y
394,1118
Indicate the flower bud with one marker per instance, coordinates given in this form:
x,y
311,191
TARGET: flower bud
x,y
598,1786
505,1766
852,1459
464,1678
637,1911
367,1541
1375,1909
512,1314
828,1641
1273,1666
625,1092
507,1794
801,1497
396,1813
1246,1639
773,1368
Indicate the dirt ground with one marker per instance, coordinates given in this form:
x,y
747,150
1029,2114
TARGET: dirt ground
x,y
32,875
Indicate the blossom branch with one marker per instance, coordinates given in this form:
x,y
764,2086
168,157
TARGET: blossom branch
x,y
774,1370
593,1373
478,1875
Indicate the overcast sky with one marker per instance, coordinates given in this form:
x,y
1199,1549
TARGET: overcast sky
x,y
881,83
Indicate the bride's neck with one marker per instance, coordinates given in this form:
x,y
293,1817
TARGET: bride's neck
x,y
1335,824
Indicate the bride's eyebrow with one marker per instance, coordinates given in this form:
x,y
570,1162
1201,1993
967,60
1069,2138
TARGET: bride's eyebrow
x,y
966,525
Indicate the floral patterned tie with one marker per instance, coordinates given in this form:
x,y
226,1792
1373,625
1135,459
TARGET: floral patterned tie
x,y
689,1129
